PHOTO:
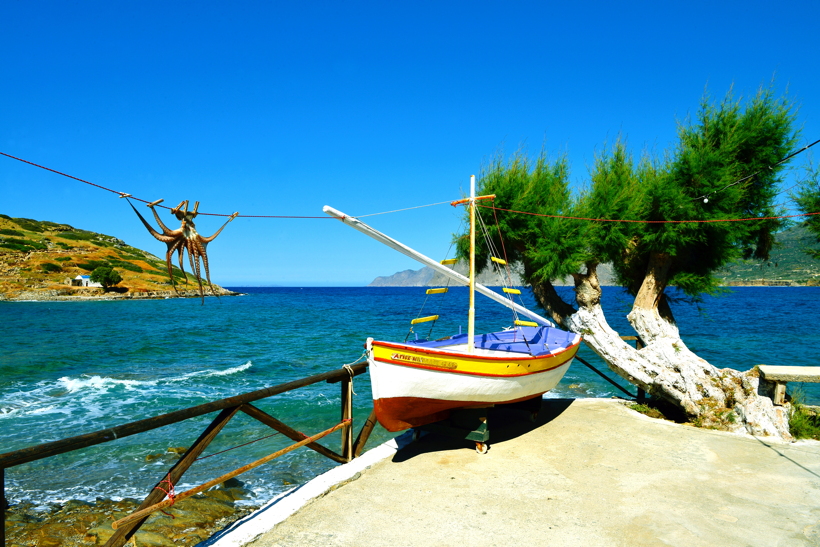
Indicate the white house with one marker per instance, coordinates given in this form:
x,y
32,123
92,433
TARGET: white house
x,y
84,281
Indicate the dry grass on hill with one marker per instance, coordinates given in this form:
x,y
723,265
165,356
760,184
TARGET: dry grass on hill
x,y
41,258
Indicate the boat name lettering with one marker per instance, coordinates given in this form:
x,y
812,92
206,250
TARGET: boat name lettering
x,y
423,360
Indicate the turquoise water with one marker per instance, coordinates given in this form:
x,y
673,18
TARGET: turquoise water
x,y
73,368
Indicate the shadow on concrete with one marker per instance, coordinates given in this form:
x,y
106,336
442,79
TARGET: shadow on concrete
x,y
504,424
782,455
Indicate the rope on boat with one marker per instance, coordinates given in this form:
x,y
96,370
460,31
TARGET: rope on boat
x,y
605,377
350,371
427,295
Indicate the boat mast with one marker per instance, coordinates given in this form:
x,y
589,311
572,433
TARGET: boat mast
x,y
471,315
360,226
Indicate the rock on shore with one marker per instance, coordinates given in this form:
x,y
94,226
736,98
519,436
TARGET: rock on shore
x,y
74,295
78,523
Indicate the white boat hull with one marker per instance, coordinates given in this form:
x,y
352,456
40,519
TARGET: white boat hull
x,y
410,395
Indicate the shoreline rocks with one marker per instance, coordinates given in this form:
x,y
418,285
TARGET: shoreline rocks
x,y
81,295
85,524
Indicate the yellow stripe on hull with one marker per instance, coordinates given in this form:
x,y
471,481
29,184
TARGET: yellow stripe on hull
x,y
482,362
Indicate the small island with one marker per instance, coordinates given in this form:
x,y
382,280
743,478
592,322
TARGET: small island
x,y
43,260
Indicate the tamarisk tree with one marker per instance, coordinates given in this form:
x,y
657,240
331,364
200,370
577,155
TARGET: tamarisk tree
x,y
808,201
720,169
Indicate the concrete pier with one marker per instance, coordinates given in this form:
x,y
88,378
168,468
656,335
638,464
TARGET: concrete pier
x,y
589,472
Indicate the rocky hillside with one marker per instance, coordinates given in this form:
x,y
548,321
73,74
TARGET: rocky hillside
x,y
38,260
789,266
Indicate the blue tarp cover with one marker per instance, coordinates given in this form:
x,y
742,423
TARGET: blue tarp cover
x,y
528,340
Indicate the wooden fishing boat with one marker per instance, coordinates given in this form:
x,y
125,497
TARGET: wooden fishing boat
x,y
419,382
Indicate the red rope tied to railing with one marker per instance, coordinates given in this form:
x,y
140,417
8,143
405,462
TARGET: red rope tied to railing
x,y
170,492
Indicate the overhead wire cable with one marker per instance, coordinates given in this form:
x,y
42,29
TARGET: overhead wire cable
x,y
771,167
405,209
125,194
750,219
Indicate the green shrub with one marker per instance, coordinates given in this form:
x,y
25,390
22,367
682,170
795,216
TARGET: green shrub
x,y
50,267
15,246
79,235
7,232
63,258
804,423
92,265
30,224
27,243
647,410
105,276
125,265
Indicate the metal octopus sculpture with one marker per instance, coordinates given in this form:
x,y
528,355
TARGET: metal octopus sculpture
x,y
185,238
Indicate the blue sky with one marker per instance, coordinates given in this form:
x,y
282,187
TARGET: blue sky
x,y
279,108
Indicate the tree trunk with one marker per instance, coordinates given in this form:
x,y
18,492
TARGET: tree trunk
x,y
548,298
665,368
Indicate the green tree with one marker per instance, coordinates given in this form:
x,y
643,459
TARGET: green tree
x,y
722,167
105,276
808,201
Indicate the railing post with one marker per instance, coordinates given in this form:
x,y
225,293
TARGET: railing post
x,y
364,434
347,414
156,495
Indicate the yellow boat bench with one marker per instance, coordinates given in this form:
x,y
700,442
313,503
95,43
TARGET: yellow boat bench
x,y
781,375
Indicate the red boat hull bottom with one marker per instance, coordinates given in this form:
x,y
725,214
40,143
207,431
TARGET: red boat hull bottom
x,y
400,413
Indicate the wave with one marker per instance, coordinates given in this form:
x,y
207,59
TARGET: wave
x,y
68,394
206,373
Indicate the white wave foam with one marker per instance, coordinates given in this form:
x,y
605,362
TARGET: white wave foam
x,y
83,395
94,382
207,373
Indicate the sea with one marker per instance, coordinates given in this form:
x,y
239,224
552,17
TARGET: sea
x,y
69,368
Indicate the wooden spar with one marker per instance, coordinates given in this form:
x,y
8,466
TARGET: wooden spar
x,y
33,453
364,434
288,431
434,265
121,536
142,513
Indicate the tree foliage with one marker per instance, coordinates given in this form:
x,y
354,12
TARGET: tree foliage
x,y
808,201
719,169
105,276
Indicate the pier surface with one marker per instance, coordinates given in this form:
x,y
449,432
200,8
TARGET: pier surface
x,y
589,472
